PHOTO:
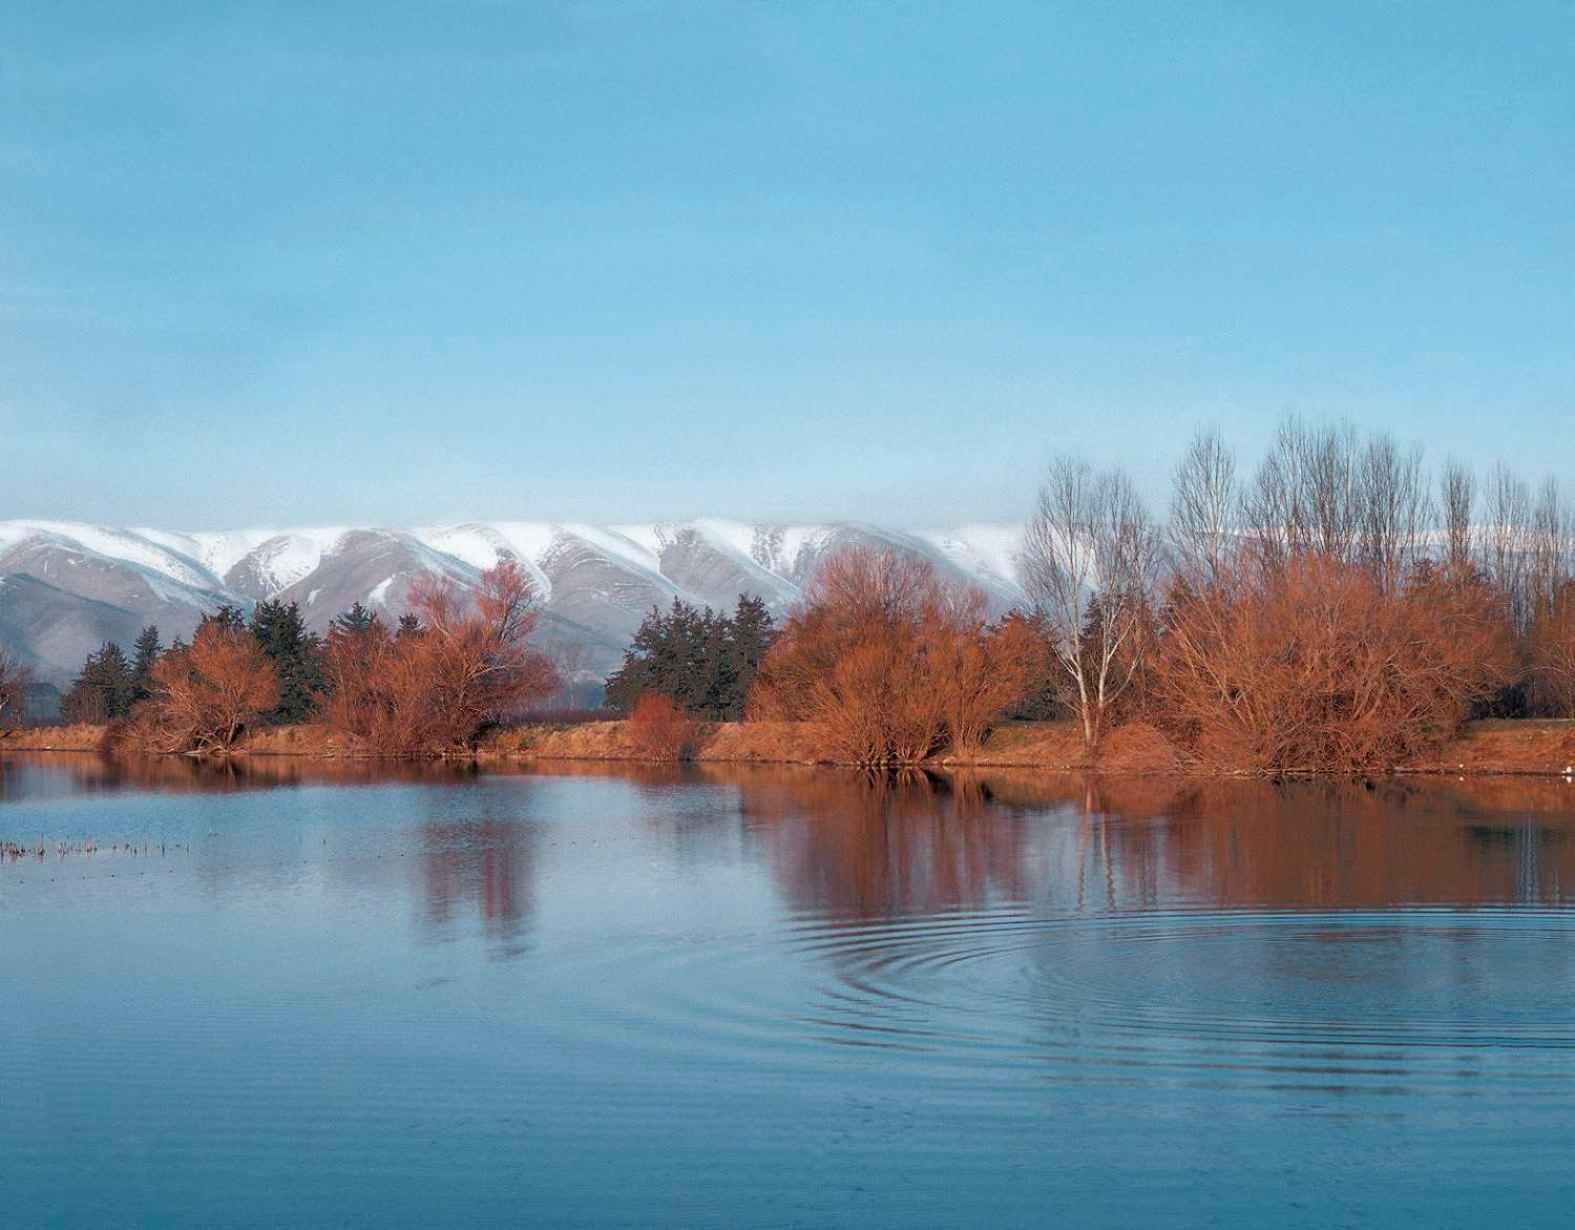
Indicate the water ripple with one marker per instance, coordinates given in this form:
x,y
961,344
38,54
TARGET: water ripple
x,y
1405,999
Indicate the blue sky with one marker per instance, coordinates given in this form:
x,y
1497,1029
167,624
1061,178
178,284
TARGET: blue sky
x,y
407,262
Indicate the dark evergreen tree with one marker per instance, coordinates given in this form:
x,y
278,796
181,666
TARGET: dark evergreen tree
x,y
104,689
147,653
409,625
297,658
357,621
228,618
700,659
750,633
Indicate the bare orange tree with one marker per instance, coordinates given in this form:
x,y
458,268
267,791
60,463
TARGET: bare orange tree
x,y
205,696
978,669
368,689
1314,665
14,681
890,663
433,687
1089,561
850,661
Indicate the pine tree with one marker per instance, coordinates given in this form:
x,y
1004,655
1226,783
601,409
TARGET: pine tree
x,y
751,632
700,659
297,658
357,621
103,690
228,618
147,653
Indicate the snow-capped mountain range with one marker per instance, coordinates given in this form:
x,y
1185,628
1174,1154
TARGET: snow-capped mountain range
x,y
66,587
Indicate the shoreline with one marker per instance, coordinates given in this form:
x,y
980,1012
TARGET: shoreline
x,y
1498,747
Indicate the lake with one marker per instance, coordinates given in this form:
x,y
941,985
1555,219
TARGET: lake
x,y
327,995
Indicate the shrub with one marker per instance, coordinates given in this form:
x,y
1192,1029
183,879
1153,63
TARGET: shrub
x,y
889,664
660,729
1314,665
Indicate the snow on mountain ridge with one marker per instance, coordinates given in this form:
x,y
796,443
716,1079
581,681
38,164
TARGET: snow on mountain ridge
x,y
203,558
134,548
88,583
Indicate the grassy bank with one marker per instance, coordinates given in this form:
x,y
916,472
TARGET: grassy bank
x,y
1497,747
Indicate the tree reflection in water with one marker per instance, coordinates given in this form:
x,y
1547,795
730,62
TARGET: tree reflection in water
x,y
486,866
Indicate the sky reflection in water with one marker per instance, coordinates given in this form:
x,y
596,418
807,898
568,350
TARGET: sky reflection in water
x,y
315,993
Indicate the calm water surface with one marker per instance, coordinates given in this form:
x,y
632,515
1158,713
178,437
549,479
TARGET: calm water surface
x,y
780,998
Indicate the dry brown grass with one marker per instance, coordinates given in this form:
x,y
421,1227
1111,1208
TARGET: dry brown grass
x,y
1514,747
1519,746
79,738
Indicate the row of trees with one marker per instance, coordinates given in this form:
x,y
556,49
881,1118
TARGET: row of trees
x,y
110,684
1331,609
702,660
453,663
1336,609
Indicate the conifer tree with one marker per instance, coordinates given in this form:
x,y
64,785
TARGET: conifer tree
x,y
357,621
296,655
751,632
147,653
700,659
103,690
228,618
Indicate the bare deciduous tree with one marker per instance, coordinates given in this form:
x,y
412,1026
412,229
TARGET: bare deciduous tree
x,y
660,729
14,682
978,669
1326,491
1202,505
889,663
1393,510
1089,559
1548,562
1459,502
204,697
1316,667
1505,542
464,662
